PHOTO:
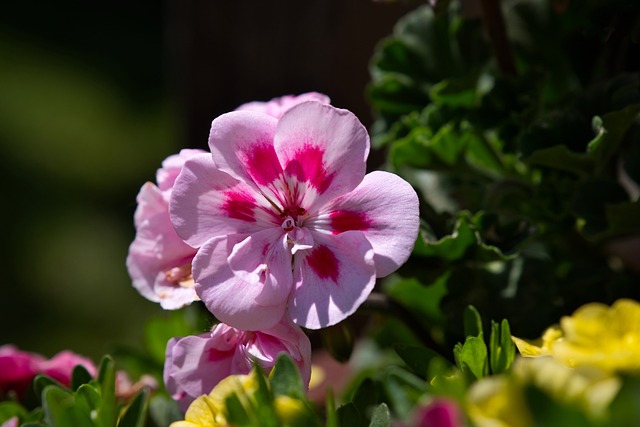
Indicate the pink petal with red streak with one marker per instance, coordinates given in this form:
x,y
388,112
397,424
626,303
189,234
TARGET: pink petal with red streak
x,y
241,144
323,150
332,279
207,203
385,208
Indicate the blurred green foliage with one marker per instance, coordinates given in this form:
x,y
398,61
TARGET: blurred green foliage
x,y
85,119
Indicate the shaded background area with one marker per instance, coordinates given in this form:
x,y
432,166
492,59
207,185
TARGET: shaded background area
x,y
93,97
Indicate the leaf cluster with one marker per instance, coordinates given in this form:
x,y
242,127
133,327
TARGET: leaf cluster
x,y
527,181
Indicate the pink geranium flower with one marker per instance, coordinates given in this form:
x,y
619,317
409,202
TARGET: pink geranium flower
x,y
195,364
277,106
286,219
440,413
18,368
159,262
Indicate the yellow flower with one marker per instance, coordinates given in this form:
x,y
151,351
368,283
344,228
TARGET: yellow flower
x,y
209,410
588,387
541,346
290,411
595,335
498,401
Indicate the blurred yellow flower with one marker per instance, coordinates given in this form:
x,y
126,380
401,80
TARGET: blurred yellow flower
x,y
209,410
595,335
498,401
590,388
290,411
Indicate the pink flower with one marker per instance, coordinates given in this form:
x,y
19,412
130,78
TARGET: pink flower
x,y
17,368
277,106
11,422
440,413
195,364
286,219
159,262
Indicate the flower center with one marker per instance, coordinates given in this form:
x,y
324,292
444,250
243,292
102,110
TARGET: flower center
x,y
288,224
180,276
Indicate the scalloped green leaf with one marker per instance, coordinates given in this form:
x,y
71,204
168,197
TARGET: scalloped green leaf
x,y
559,157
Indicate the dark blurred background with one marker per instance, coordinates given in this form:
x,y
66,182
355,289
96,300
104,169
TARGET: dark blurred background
x,y
94,96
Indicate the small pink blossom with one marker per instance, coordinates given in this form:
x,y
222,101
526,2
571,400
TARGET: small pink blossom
x,y
440,413
159,262
18,368
277,106
287,221
195,364
11,422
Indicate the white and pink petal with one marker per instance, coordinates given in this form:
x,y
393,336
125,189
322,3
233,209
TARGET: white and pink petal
x,y
323,151
385,208
207,203
231,285
241,144
331,280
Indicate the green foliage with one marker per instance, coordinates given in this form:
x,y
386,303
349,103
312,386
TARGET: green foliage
x,y
88,403
525,179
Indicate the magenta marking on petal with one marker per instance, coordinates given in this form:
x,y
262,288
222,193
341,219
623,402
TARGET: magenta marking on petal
x,y
324,263
262,163
307,165
215,355
342,221
239,206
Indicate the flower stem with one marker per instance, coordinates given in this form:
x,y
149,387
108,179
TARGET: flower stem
x,y
494,23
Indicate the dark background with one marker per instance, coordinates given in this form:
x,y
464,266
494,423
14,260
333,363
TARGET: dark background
x,y
94,96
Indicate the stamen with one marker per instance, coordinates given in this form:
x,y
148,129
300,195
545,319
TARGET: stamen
x,y
180,276
288,224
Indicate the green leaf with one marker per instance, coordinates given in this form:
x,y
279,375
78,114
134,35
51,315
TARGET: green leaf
x,y
446,380
89,395
472,356
80,376
60,409
9,409
422,300
236,412
106,413
610,131
163,410
454,246
502,351
417,358
331,414
136,413
559,157
40,382
365,397
285,378
381,416
472,322
348,415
